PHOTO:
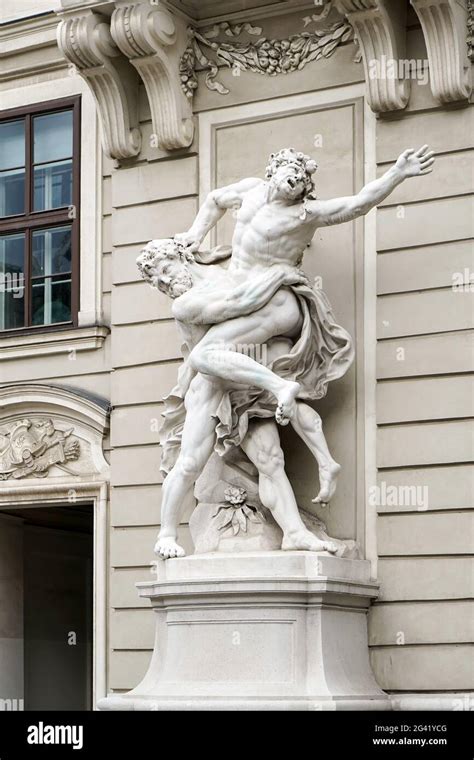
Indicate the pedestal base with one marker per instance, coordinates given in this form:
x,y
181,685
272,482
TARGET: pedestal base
x,y
272,631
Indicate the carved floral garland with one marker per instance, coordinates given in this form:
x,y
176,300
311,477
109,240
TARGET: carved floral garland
x,y
263,56
470,29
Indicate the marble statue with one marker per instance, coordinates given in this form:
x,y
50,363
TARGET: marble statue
x,y
225,397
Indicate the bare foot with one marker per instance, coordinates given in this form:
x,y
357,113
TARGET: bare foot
x,y
328,475
167,548
304,540
287,403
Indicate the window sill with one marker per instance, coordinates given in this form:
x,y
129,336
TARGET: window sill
x,y
54,342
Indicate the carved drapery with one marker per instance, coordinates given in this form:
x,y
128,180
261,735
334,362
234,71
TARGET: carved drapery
x,y
152,39
445,26
380,26
86,42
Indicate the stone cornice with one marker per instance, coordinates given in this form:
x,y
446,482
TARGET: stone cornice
x,y
380,27
86,42
444,24
152,39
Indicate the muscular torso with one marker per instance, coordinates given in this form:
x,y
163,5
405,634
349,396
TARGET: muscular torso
x,y
268,232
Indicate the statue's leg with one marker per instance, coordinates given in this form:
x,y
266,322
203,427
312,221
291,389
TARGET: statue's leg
x,y
262,446
202,400
307,423
218,352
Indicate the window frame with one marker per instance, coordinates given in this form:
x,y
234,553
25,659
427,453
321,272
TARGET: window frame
x,y
32,220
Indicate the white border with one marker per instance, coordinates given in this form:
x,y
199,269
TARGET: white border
x,y
91,176
320,98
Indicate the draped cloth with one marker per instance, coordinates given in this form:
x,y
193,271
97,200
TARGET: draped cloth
x,y
322,352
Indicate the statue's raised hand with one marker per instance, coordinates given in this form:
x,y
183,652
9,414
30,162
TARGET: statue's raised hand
x,y
413,163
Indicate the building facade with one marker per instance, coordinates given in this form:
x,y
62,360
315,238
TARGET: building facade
x,y
116,119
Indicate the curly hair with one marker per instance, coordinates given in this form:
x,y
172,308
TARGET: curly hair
x,y
155,253
305,165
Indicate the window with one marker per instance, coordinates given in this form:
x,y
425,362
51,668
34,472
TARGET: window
x,y
39,216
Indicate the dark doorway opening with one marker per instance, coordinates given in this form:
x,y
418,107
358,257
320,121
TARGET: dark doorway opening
x,y
54,604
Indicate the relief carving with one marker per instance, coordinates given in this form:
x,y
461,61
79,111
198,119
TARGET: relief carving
x,y
264,56
30,447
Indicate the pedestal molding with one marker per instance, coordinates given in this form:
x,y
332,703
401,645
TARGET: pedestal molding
x,y
86,42
380,29
444,24
151,38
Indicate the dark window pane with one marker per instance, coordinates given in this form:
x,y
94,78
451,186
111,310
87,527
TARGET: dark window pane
x,y
52,137
52,186
12,144
12,192
51,251
51,301
12,283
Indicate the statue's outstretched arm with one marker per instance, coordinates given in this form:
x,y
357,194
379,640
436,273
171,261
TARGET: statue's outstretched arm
x,y
214,208
202,307
339,210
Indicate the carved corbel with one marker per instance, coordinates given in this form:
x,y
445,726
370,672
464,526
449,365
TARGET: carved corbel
x,y
380,27
86,42
444,24
152,39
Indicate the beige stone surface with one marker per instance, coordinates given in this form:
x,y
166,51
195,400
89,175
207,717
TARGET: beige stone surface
x,y
425,443
408,400
135,465
431,266
135,505
448,486
421,623
432,667
425,355
136,425
145,343
132,629
147,183
151,382
424,312
449,218
138,224
123,593
137,302
418,578
133,547
454,173
126,669
437,533
444,129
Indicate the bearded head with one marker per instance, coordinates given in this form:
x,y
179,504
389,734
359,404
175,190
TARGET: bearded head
x,y
164,265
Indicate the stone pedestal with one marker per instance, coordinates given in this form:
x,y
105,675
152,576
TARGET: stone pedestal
x,y
276,630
